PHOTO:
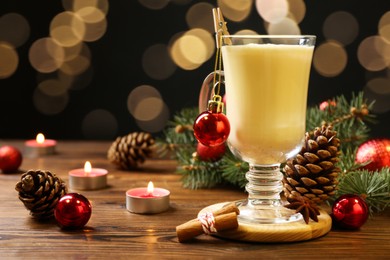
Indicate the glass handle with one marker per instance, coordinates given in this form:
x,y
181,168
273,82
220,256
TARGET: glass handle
x,y
207,90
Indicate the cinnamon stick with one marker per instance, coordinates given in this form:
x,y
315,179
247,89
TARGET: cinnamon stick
x,y
225,218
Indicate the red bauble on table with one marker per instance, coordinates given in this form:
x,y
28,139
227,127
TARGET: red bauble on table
x,y
73,211
10,159
350,211
211,129
210,153
377,151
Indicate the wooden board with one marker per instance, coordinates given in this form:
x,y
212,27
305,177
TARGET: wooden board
x,y
291,232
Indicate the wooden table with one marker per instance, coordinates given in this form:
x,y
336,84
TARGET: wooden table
x,y
113,232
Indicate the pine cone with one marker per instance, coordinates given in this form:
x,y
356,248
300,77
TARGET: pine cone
x,y
40,191
130,150
312,173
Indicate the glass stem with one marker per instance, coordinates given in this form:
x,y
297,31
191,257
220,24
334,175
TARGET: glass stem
x,y
264,185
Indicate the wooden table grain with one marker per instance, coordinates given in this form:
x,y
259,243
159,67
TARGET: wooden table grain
x,y
115,233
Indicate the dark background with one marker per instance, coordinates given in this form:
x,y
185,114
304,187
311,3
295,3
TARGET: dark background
x,y
116,66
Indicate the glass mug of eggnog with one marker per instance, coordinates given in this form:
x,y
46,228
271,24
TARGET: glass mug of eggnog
x,y
266,81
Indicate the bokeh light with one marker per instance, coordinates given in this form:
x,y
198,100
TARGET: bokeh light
x,y
286,26
246,32
67,29
341,26
154,4
200,15
52,87
99,124
384,26
20,29
137,95
374,53
95,23
330,59
272,11
76,64
146,105
158,123
191,49
48,104
297,10
157,63
236,11
9,60
46,55
75,5
378,90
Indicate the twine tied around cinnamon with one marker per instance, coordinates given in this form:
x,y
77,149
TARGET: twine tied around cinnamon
x,y
208,223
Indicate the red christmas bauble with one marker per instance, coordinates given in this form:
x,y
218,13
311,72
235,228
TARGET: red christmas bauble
x,y
350,211
210,153
211,129
325,104
73,210
10,158
377,151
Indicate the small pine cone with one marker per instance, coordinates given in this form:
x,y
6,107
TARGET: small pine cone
x,y
40,191
130,150
313,173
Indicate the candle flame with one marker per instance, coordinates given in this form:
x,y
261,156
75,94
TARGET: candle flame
x,y
40,138
87,168
150,188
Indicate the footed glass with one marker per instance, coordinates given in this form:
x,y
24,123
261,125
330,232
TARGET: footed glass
x,y
266,82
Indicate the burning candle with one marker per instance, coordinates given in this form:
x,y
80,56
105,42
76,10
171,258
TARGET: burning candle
x,y
88,178
40,146
148,200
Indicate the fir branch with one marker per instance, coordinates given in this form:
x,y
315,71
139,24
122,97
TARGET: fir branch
x,y
374,187
178,135
349,119
197,174
234,169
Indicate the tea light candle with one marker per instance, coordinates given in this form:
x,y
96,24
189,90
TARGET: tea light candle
x,y
148,200
88,178
40,146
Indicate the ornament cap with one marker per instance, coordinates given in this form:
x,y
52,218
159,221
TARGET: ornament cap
x,y
216,105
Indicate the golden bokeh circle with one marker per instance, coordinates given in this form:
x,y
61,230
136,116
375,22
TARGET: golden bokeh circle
x,y
272,11
199,15
297,10
192,48
95,23
236,11
154,4
99,124
286,26
49,105
67,28
20,29
137,95
52,87
374,53
46,55
384,26
341,26
75,5
9,60
330,59
157,63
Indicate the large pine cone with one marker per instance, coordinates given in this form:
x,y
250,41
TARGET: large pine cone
x,y
40,191
313,173
127,152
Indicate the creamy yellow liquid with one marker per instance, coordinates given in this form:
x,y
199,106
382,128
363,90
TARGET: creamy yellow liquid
x,y
266,92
